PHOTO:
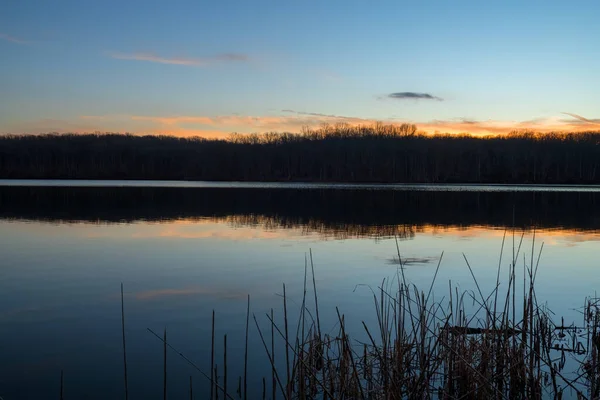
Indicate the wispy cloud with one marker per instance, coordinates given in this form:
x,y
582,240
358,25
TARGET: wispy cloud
x,y
247,124
494,127
194,62
595,121
13,39
177,120
218,126
314,114
412,96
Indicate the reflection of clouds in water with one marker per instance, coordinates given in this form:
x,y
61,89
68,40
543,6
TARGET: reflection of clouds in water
x,y
256,227
570,239
190,229
564,237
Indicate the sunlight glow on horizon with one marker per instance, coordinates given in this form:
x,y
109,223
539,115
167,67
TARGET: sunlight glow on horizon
x,y
220,127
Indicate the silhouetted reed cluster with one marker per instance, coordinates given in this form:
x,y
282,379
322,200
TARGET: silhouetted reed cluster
x,y
341,153
468,345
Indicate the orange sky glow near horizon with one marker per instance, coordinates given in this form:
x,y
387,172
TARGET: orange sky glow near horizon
x,y
221,127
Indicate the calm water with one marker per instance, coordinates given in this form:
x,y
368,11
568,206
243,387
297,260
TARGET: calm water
x,y
184,249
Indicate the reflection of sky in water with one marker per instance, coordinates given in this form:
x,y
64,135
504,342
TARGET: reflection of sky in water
x,y
59,286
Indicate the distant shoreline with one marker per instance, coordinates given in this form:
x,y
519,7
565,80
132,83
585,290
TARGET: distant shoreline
x,y
360,156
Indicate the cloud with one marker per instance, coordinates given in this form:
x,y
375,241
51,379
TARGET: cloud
x,y
314,114
494,127
595,121
194,62
176,120
248,124
221,126
413,96
12,39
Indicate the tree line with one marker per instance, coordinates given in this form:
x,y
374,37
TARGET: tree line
x,y
379,154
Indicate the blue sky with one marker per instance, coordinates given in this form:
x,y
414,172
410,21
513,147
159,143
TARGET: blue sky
x,y
190,67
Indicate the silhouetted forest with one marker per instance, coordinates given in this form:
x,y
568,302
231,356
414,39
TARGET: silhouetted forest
x,y
379,153
332,212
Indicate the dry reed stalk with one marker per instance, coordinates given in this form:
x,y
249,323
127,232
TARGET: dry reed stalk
x,y
427,348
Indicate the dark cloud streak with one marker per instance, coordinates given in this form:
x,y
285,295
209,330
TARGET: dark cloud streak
x,y
583,119
412,96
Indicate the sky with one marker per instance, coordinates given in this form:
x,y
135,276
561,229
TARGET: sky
x,y
205,68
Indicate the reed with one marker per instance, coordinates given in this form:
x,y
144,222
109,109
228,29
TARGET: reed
x,y
468,345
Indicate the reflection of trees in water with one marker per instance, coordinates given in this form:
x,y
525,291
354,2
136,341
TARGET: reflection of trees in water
x,y
324,229
332,213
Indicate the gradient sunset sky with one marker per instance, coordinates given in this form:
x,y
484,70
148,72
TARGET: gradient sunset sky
x,y
209,68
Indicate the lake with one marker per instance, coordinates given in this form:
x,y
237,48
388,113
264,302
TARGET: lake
x,y
184,249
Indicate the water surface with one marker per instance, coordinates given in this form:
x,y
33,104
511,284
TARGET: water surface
x,y
184,249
